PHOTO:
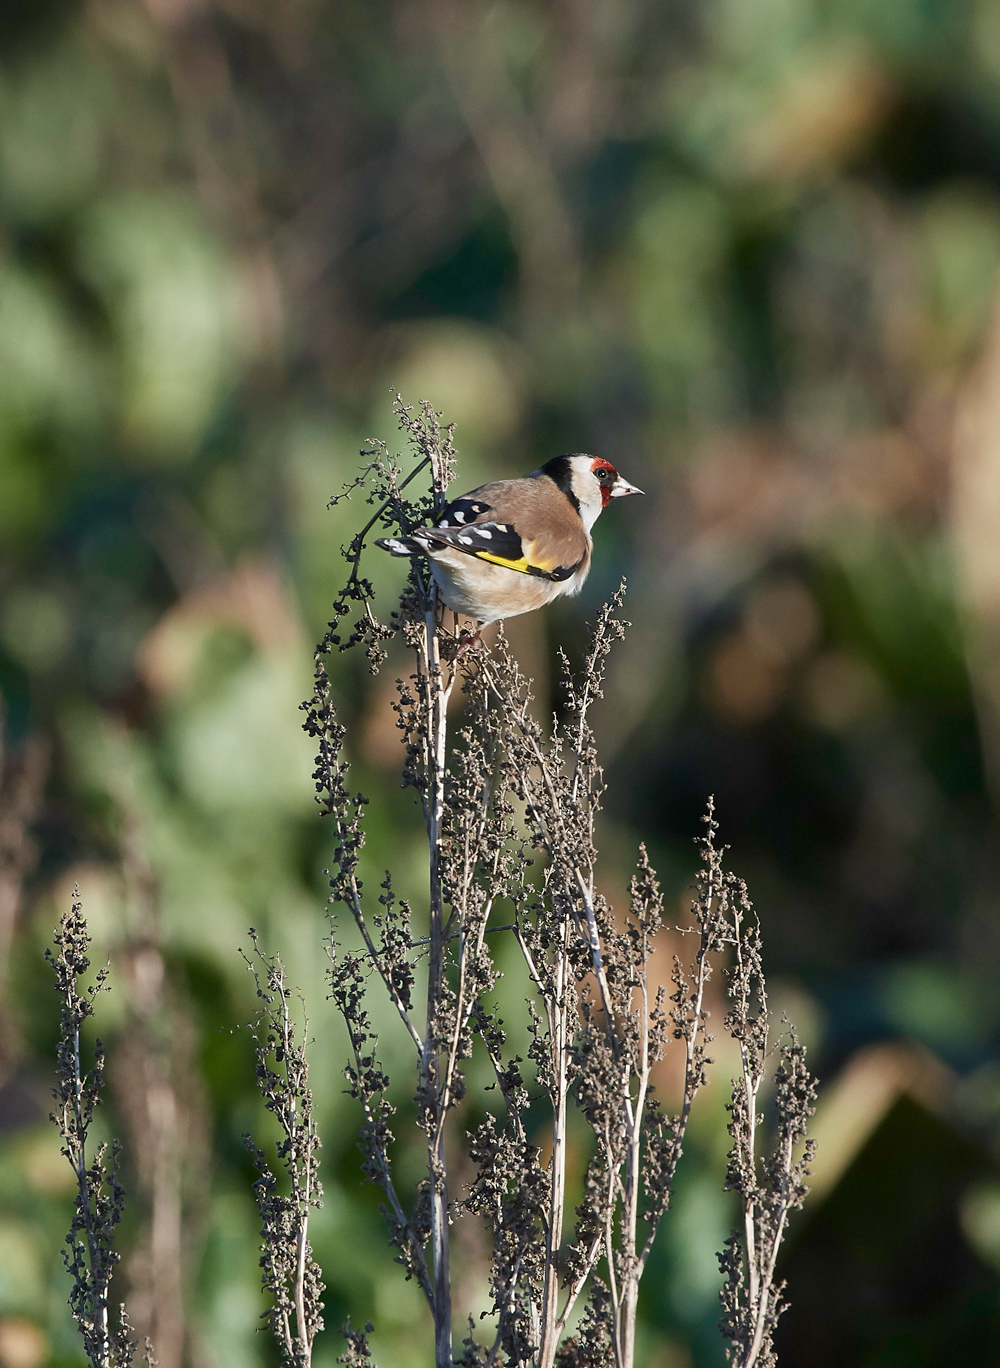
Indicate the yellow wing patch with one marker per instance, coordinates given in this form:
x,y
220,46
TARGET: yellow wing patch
x,y
521,564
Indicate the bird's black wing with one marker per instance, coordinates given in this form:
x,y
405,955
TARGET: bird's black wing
x,y
497,543
461,512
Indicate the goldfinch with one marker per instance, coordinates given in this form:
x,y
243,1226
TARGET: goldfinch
x,y
515,545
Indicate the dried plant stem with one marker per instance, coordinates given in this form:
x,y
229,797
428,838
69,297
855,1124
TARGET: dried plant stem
x,y
604,1052
436,1079
773,1186
436,681
556,1013
99,1200
289,1272
387,935
747,1145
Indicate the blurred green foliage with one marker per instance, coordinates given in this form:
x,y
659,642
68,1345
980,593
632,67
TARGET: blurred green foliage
x,y
746,250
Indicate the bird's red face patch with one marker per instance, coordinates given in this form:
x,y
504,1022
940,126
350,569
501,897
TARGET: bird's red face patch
x,y
606,475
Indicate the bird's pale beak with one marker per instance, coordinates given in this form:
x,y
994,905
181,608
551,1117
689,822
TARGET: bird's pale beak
x,y
622,487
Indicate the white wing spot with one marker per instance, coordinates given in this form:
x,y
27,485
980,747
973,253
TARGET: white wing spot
x,y
486,536
465,541
459,516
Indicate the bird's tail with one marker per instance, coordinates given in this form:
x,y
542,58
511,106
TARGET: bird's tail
x,y
403,546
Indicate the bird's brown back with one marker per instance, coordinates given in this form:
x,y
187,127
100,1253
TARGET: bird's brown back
x,y
551,532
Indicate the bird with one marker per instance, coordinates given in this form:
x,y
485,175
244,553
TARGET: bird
x,y
512,546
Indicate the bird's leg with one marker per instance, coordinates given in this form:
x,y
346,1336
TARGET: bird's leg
x,y
467,641
454,647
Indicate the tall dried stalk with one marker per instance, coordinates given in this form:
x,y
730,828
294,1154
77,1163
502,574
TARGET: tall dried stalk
x,y
598,1024
99,1202
291,1274
599,1045
769,1188
423,716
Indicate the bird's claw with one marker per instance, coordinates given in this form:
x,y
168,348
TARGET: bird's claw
x,y
453,649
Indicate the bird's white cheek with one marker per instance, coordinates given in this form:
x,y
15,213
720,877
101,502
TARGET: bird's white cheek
x,y
590,508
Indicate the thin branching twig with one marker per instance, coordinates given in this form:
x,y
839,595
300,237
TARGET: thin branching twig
x,y
100,1198
772,1186
290,1273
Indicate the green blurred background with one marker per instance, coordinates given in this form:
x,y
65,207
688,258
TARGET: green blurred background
x,y
747,250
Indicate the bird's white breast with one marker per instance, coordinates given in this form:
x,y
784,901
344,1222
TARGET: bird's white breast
x,y
491,592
